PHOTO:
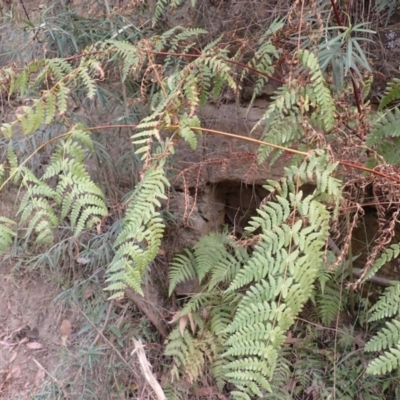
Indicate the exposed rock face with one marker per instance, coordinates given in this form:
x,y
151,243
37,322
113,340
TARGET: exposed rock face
x,y
220,183
221,158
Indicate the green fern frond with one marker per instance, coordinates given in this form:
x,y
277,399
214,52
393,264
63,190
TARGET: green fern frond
x,y
88,81
159,10
43,219
191,354
281,274
50,106
263,58
329,304
284,116
75,193
186,125
32,117
389,254
318,93
59,67
181,269
388,304
140,239
385,363
388,337
385,126
210,251
62,97
392,93
129,55
384,136
6,233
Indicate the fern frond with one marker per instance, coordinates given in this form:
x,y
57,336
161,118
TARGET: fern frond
x,y
281,274
6,233
140,239
186,125
384,136
329,304
388,304
32,117
181,269
263,58
88,81
59,67
61,91
387,337
392,93
128,53
389,254
385,363
318,93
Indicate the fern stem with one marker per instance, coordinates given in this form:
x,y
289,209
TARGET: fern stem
x,y
233,135
287,149
351,273
166,53
32,154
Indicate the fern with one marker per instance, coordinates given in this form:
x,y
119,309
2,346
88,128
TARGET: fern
x,y
250,329
75,195
386,338
385,135
392,93
181,269
388,304
289,256
317,95
283,119
263,59
385,363
127,53
329,304
142,224
6,233
389,254
214,261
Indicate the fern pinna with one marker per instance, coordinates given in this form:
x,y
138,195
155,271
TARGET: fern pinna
x,y
285,115
214,261
65,190
388,306
268,289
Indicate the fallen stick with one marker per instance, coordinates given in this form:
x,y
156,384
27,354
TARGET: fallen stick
x,y
145,366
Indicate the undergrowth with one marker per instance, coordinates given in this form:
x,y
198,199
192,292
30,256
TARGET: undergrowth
x,y
246,328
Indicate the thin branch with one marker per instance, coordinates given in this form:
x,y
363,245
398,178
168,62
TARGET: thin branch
x,y
261,142
145,366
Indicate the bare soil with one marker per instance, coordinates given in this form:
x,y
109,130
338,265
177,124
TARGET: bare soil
x,y
30,339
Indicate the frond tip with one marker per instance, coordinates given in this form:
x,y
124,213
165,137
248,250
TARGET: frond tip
x,y
6,233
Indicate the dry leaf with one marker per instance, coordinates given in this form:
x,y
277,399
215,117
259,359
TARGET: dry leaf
x,y
182,324
65,328
13,356
7,344
192,323
83,260
88,293
290,339
206,391
14,373
40,375
34,345
175,317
